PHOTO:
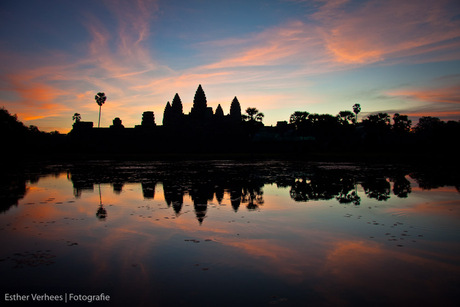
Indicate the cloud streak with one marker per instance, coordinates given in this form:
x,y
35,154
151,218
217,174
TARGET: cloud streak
x,y
378,31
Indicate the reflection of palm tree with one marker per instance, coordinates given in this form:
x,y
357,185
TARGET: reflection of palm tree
x,y
101,212
100,100
253,196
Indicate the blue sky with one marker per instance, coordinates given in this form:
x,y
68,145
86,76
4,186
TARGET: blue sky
x,y
280,56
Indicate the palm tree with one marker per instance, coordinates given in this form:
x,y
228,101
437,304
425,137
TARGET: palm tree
x,y
253,115
76,117
100,100
356,110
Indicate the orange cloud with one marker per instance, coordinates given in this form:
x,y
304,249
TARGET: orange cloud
x,y
441,114
37,99
33,91
130,57
289,43
378,30
449,94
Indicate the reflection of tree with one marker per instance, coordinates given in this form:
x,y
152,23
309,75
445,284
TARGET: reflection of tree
x,y
378,188
401,186
253,196
319,187
101,212
12,188
348,194
301,190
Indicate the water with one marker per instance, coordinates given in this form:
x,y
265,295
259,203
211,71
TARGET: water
x,y
222,233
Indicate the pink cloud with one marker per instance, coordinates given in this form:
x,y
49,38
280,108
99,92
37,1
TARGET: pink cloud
x,y
341,34
130,56
379,30
445,95
279,45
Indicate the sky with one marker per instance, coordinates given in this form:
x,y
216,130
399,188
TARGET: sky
x,y
279,56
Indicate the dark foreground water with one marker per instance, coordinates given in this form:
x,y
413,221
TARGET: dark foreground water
x,y
222,233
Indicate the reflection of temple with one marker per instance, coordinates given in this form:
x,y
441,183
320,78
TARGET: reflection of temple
x,y
148,189
242,186
174,195
233,182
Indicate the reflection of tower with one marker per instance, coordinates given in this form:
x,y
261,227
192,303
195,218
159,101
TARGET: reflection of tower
x,y
200,195
200,211
219,194
148,189
117,187
174,195
235,198
101,212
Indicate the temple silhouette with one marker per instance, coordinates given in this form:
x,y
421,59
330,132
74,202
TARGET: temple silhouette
x,y
179,132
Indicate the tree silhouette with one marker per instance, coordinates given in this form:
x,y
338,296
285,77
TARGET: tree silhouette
x,y
253,115
76,117
356,110
380,119
428,125
298,119
401,123
100,100
346,117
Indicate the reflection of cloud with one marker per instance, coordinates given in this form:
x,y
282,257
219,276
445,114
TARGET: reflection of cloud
x,y
434,208
376,270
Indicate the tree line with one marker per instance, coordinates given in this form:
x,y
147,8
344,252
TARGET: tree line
x,y
204,131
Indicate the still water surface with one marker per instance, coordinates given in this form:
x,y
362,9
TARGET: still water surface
x,y
223,233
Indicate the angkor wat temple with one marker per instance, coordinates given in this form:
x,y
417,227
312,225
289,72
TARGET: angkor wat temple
x,y
201,130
